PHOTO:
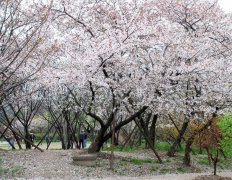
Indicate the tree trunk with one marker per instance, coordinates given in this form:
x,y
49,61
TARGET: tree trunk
x,y
98,142
103,137
27,136
215,168
172,150
187,159
50,141
208,155
148,140
112,145
152,130
17,140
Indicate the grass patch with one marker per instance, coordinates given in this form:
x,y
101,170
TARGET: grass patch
x,y
161,145
203,161
224,164
12,172
118,148
15,171
138,161
54,146
153,168
181,169
167,170
3,171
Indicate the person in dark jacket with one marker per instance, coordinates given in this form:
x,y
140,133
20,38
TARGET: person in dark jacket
x,y
82,139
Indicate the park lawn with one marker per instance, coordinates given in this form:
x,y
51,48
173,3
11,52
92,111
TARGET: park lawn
x,y
54,145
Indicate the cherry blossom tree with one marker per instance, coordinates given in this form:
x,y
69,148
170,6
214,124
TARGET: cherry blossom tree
x,y
118,59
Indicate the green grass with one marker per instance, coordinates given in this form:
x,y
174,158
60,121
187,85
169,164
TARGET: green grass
x,y
224,164
203,161
225,125
53,146
160,145
181,169
166,170
153,168
3,170
139,161
12,172
118,148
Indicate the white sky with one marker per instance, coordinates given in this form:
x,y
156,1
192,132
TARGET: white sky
x,y
226,5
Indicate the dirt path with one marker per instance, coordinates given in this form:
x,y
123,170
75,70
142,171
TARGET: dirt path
x,y
188,176
57,164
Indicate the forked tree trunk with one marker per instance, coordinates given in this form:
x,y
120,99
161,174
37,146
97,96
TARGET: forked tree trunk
x,y
98,142
102,136
189,142
172,150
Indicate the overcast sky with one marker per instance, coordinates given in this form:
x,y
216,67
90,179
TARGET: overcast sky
x,y
226,5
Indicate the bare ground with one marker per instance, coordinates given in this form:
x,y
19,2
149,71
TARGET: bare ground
x,y
57,164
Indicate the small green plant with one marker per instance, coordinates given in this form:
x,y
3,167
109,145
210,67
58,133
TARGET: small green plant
x,y
224,164
138,161
161,145
119,148
203,161
14,171
3,171
181,169
166,161
166,171
153,168
225,125
17,170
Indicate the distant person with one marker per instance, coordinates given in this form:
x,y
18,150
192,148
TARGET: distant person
x,y
85,139
11,140
47,139
32,137
82,139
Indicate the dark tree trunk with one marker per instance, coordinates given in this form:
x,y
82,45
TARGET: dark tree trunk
x,y
148,140
50,141
63,144
98,142
172,150
187,159
215,168
139,141
17,140
152,130
208,155
103,136
144,124
27,136
8,140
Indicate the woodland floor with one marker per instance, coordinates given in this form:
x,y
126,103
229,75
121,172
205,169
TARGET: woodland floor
x,y
57,164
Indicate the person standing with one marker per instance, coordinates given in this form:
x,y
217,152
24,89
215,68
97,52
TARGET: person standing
x,y
32,137
47,139
11,141
85,140
81,139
